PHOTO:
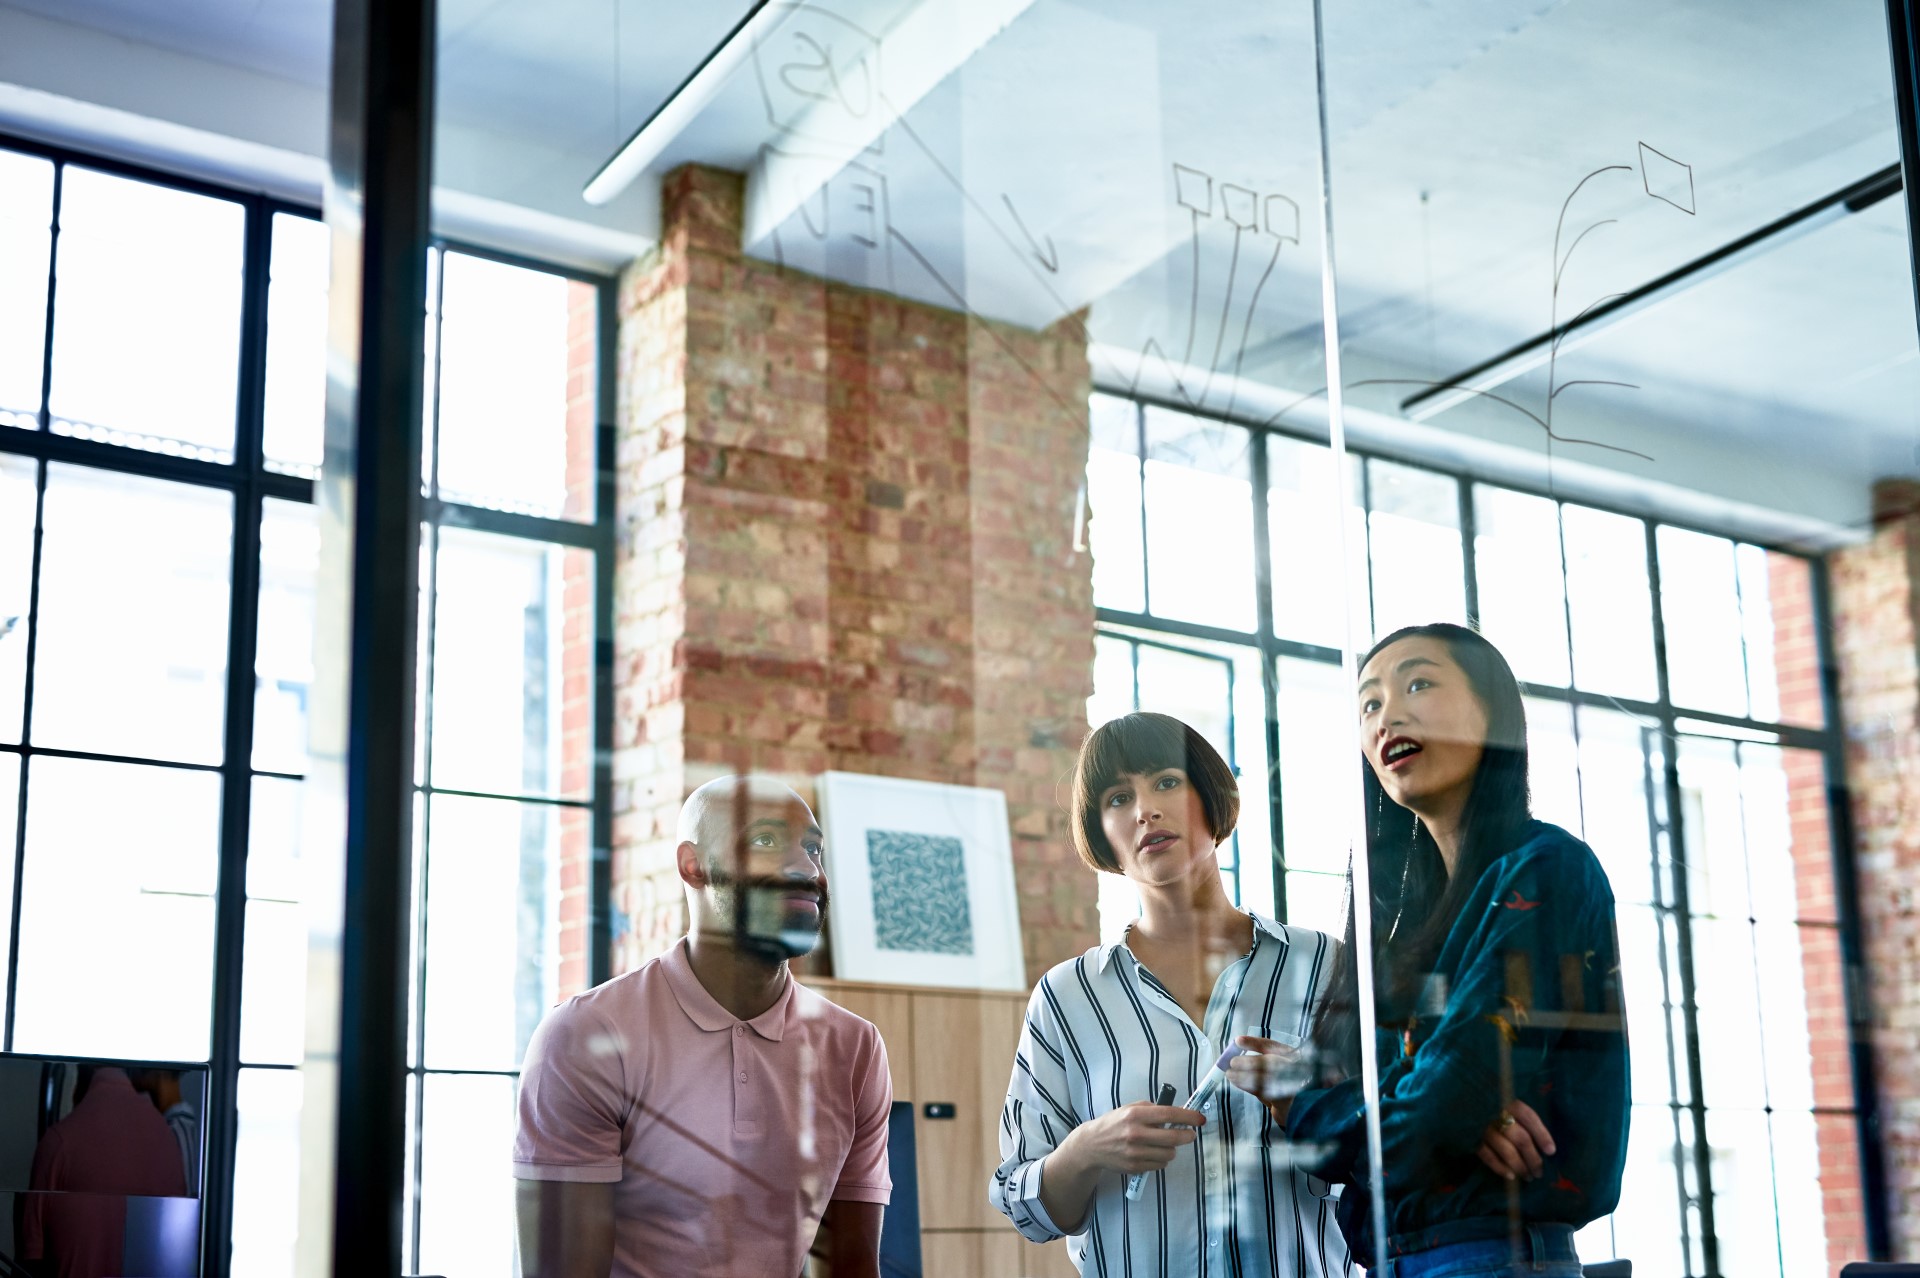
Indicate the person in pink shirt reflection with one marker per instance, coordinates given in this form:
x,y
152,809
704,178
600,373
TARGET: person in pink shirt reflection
x,y
705,1116
112,1144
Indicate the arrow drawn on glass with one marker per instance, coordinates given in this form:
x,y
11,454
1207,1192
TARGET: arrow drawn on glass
x,y
1051,257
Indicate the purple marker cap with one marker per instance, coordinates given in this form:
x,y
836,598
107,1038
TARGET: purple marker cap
x,y
1230,1053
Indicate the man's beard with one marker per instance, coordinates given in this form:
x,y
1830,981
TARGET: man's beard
x,y
761,921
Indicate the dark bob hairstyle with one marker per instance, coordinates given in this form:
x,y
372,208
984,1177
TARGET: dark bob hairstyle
x,y
1139,744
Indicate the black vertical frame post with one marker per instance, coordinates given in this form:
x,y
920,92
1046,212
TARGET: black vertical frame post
x,y
1875,1203
221,1127
1677,857
1269,666
1903,32
607,517
1469,555
360,835
25,761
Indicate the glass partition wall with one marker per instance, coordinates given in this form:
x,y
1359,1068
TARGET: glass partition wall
x,y
998,377
1643,274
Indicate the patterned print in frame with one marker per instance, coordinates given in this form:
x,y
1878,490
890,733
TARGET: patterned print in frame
x,y
919,892
923,883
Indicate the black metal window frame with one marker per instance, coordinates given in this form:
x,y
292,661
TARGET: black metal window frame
x,y
250,484
1661,718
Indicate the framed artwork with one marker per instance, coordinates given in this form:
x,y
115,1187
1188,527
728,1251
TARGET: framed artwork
x,y
922,883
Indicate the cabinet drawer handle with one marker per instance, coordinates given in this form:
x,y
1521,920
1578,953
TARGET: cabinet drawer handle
x,y
938,1109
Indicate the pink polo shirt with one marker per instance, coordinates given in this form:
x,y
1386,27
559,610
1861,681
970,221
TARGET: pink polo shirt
x,y
727,1138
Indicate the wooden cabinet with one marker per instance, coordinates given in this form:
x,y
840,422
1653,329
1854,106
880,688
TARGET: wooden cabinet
x,y
891,1012
955,1048
963,1048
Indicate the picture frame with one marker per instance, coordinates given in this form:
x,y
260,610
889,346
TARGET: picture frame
x,y
922,880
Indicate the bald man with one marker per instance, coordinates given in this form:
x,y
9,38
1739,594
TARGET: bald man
x,y
705,1116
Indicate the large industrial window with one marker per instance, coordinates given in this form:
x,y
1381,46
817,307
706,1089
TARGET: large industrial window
x,y
1676,719
162,388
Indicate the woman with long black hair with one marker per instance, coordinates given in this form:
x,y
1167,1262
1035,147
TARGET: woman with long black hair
x,y
1503,1053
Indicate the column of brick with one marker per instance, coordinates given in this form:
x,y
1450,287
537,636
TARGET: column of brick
x,y
1876,589
649,598
1032,606
1797,670
847,544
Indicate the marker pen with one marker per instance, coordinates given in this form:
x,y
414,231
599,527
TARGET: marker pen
x,y
1210,1084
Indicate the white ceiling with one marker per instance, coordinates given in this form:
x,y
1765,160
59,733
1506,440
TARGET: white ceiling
x,y
1029,158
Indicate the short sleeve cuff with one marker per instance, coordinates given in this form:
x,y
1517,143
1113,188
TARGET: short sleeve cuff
x,y
593,1174
844,1193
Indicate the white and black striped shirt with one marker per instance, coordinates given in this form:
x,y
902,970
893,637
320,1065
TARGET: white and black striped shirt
x,y
1102,1032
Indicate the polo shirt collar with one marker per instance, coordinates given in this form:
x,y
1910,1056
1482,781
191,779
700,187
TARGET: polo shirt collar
x,y
1261,923
705,1011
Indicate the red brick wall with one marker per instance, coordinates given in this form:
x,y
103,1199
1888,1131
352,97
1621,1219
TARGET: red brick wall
x,y
1877,645
1797,667
845,543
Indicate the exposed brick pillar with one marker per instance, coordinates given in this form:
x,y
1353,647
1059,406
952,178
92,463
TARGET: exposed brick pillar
x,y
846,527
1797,667
1876,591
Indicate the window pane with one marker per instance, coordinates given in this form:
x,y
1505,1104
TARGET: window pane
x,y
466,1184
1113,495
1522,589
1319,776
17,476
120,863
266,1173
512,666
1200,691
1783,647
492,929
1317,901
1644,994
296,398
1714,828
1613,794
274,966
1728,998
1700,603
1192,688
283,649
1199,521
1741,1160
26,238
1796,1171
1308,584
146,351
1647,1221
509,427
1112,681
1774,863
1553,765
1419,575
1610,602
1781,970
132,657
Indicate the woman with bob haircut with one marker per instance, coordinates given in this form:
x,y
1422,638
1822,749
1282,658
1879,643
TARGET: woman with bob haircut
x,y
1503,1053
1112,1032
